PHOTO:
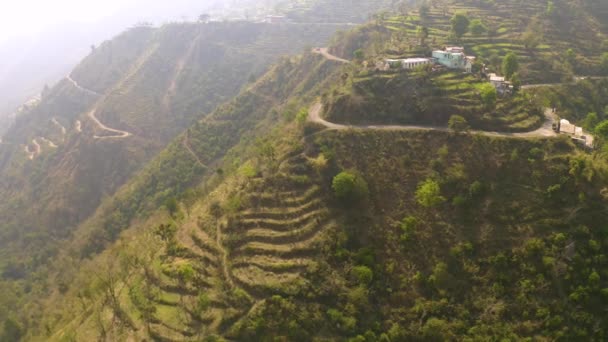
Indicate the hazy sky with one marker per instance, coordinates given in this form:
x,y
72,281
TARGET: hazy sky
x,y
27,17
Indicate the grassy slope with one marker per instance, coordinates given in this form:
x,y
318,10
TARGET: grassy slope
x,y
273,253
428,99
329,283
173,171
47,198
572,26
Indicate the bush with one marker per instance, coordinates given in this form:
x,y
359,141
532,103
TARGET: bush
x,y
458,123
349,187
429,194
363,274
172,205
488,95
477,27
510,65
460,24
602,129
408,225
604,63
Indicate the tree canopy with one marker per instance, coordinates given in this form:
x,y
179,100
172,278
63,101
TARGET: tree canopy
x,y
488,95
350,187
460,24
458,123
429,194
602,129
510,65
477,27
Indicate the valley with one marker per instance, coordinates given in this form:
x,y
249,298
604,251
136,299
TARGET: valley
x,y
404,178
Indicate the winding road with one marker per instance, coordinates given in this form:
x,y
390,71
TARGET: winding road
x,y
119,134
37,148
60,126
545,131
325,53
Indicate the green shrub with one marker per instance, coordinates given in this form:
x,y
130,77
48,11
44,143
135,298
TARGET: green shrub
x,y
363,274
349,187
172,205
429,194
408,225
488,94
477,27
510,65
458,123
460,24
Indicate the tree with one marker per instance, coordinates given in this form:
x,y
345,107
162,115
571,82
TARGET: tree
x,y
495,61
12,331
602,129
460,24
458,123
424,10
477,27
604,63
423,33
571,57
488,95
359,54
533,35
363,274
172,205
510,65
428,194
204,18
591,121
516,82
350,187
550,8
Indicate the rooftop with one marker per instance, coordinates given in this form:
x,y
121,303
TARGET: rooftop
x,y
416,60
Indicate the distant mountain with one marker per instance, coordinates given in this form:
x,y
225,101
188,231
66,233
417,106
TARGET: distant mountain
x,y
224,181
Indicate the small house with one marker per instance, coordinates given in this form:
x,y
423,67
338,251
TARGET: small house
x,y
454,58
501,85
407,63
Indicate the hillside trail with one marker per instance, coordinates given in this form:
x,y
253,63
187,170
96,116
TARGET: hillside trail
x,y
186,144
325,53
119,134
546,130
219,236
60,126
91,115
37,150
177,73
49,142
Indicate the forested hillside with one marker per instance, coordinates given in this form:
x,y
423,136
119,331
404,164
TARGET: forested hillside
x,y
218,198
117,110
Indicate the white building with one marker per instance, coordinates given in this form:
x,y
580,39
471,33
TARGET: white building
x,y
500,83
454,58
407,63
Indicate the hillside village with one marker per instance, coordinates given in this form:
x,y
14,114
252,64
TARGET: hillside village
x,y
410,179
455,58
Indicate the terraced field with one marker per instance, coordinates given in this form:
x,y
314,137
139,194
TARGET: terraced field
x,y
507,22
225,266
